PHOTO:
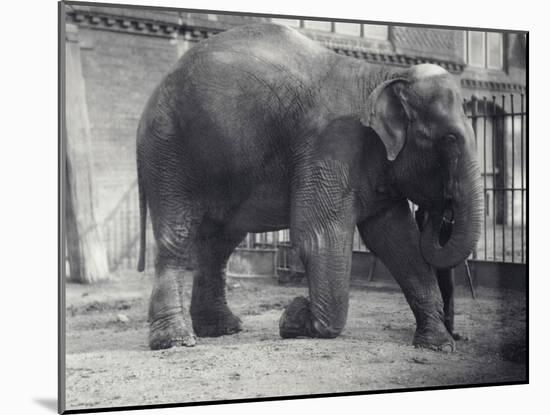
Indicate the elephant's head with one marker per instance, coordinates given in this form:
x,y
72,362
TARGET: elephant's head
x,y
431,147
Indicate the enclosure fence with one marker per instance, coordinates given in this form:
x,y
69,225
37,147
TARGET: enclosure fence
x,y
499,124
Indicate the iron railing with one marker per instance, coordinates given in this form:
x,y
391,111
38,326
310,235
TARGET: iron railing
x,y
499,125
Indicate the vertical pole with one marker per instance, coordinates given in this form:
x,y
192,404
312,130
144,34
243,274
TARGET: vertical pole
x,y
90,249
494,180
72,238
277,252
513,170
522,183
474,127
486,207
503,191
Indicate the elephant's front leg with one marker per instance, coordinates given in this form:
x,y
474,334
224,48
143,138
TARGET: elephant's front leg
x,y
445,280
394,238
322,230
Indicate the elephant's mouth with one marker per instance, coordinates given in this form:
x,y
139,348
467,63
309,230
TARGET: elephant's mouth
x,y
446,224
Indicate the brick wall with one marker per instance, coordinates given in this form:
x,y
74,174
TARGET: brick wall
x,y
120,72
429,43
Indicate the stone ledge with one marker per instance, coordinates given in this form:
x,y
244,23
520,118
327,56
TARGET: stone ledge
x,y
492,85
126,24
397,59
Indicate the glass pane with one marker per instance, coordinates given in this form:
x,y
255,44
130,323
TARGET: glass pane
x,y
313,24
352,29
494,50
375,31
287,22
476,48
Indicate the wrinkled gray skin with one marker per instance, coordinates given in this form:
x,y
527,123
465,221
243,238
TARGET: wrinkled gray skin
x,y
260,129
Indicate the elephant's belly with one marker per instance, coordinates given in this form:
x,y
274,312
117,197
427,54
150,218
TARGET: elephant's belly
x,y
266,209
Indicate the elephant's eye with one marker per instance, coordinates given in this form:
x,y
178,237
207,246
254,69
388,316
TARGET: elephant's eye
x,y
450,138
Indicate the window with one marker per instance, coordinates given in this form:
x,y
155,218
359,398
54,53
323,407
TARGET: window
x,y
494,50
476,49
316,25
483,49
287,22
368,31
375,31
350,29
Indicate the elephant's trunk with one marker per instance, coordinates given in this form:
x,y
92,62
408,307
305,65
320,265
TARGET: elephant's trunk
x,y
462,213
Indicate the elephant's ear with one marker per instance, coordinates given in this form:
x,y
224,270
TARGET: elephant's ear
x,y
387,113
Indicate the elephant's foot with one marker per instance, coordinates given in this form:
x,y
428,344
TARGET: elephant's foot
x,y
215,323
170,332
434,336
298,321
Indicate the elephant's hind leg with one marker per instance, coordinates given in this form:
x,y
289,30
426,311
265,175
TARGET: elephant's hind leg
x,y
166,311
209,310
174,232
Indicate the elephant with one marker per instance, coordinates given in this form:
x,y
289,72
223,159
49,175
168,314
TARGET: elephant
x,y
260,128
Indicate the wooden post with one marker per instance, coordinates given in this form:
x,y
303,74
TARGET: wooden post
x,y
85,245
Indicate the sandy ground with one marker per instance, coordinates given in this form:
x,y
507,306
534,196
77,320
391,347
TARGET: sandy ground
x,y
109,364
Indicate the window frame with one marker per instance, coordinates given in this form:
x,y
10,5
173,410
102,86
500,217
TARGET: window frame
x,y
379,38
467,40
500,64
303,24
357,25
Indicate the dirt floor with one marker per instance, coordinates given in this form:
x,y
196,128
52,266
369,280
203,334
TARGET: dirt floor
x,y
109,364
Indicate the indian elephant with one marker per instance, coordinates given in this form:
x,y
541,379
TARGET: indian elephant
x,y
260,129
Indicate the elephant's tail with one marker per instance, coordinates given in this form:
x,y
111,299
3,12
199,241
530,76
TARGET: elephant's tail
x,y
142,223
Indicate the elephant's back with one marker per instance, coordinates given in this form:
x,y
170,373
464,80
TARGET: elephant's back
x,y
253,63
264,44
237,93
